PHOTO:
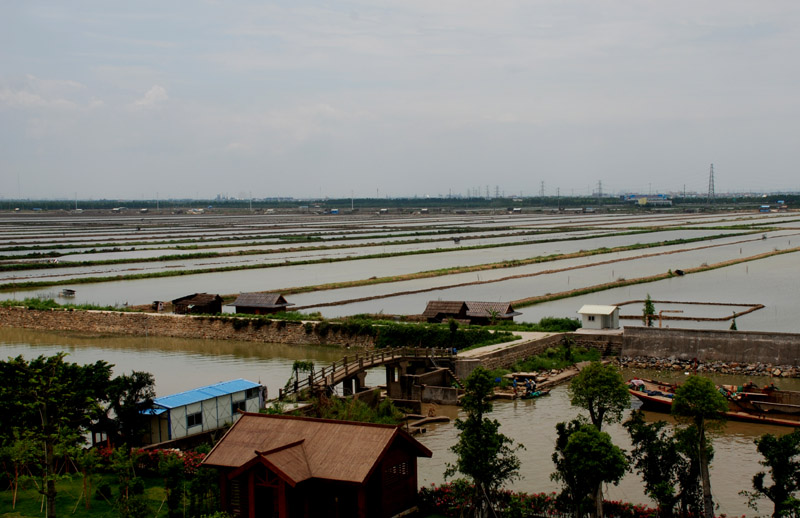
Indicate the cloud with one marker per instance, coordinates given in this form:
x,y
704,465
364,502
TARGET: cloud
x,y
157,94
32,92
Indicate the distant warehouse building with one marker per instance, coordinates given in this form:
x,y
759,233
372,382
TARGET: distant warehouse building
x,y
202,409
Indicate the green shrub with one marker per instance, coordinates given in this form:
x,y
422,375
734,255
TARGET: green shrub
x,y
240,323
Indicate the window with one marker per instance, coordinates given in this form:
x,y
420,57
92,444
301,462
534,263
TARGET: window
x,y
194,420
236,406
591,318
251,393
396,473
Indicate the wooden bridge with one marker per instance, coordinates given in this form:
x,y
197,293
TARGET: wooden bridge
x,y
351,366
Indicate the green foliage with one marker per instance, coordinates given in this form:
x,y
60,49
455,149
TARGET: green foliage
x,y
42,304
585,458
556,358
545,325
483,454
782,457
351,409
697,401
51,402
648,312
239,323
601,390
437,336
129,395
661,458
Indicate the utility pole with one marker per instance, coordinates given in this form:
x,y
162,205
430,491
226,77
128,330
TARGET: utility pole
x,y
710,199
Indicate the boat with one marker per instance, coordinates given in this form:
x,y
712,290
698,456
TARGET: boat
x,y
745,403
769,399
533,395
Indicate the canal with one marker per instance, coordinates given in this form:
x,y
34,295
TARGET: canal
x,y
181,364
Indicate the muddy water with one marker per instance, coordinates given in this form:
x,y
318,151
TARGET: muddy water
x,y
180,364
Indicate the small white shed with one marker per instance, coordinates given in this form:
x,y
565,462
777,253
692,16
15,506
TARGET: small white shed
x,y
599,317
202,409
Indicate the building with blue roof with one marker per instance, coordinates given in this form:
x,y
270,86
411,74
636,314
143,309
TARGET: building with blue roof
x,y
203,409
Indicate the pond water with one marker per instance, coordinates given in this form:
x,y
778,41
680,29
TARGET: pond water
x,y
180,364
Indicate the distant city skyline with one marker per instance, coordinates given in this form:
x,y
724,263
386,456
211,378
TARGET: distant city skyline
x,y
147,100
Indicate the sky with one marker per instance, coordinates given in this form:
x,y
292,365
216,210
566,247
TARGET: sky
x,y
176,99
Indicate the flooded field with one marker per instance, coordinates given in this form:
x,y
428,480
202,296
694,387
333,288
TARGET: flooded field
x,y
180,365
133,261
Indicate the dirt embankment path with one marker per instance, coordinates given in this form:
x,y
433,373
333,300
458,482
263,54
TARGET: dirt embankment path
x,y
550,296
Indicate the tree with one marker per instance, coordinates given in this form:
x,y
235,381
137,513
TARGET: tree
x,y
657,455
649,312
782,457
129,396
585,458
600,389
54,402
698,402
482,453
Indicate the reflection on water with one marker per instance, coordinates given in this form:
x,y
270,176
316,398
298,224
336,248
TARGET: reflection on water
x,y
181,364
532,423
178,364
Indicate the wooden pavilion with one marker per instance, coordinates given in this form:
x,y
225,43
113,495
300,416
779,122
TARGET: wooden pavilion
x,y
300,467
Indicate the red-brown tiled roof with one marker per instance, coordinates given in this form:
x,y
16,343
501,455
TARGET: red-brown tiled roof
x,y
299,447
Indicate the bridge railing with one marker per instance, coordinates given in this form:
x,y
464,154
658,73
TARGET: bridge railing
x,y
350,365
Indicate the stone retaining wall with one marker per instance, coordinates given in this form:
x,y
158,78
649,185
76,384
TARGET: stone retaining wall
x,y
710,345
182,326
506,357
608,345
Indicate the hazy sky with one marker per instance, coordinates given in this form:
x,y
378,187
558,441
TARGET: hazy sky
x,y
111,99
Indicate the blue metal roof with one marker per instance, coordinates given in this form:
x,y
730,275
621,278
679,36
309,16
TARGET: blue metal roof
x,y
203,393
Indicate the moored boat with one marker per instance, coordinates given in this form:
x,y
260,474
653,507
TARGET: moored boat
x,y
534,394
748,403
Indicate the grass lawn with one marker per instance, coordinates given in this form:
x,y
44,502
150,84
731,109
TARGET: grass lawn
x,y
70,502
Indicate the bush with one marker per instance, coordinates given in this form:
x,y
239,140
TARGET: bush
x,y
240,323
437,336
556,358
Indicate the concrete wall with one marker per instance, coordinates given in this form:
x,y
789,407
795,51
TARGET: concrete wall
x,y
710,345
182,326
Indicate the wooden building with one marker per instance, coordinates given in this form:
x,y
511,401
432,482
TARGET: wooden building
x,y
470,312
202,409
260,303
197,304
300,467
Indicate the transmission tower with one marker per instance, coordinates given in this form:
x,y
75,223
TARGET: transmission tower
x,y
541,190
711,185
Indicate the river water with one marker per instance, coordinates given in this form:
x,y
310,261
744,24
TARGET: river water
x,y
181,364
